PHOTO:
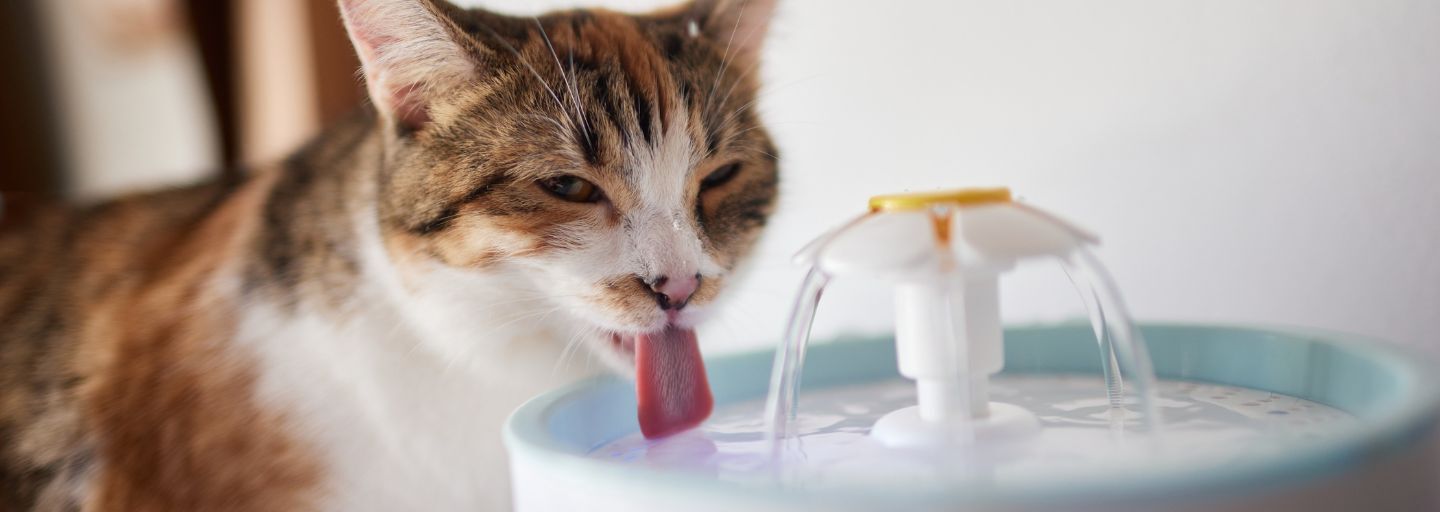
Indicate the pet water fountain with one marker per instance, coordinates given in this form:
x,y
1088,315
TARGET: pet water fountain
x,y
955,412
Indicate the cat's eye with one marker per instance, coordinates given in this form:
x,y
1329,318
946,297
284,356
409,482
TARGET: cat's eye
x,y
720,176
573,189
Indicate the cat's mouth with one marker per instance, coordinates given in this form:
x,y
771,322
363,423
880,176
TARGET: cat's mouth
x,y
623,345
672,391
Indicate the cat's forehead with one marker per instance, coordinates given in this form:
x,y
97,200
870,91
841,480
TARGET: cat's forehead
x,y
640,100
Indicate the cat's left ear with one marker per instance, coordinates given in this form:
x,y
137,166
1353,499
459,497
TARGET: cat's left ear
x,y
412,53
739,25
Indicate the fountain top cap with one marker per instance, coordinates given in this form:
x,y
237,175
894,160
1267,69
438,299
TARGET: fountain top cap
x,y
920,236
923,200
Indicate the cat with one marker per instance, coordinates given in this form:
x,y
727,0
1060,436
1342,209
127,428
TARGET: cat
x,y
348,329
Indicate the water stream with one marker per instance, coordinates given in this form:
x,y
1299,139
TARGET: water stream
x,y
1122,350
790,358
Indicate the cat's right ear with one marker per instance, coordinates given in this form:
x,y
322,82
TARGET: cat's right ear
x,y
412,53
739,25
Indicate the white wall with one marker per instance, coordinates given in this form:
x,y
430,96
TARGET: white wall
x,y
1255,161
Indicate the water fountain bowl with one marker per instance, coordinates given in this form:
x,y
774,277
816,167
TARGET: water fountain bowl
x,y
1387,460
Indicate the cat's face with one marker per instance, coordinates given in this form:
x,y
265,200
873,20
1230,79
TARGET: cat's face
x,y
611,165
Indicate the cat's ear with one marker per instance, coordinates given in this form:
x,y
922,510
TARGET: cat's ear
x,y
740,25
411,51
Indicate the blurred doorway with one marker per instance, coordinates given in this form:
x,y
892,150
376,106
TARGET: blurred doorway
x,y
30,167
104,97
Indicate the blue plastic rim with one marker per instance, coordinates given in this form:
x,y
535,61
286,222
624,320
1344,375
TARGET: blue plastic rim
x,y
1390,389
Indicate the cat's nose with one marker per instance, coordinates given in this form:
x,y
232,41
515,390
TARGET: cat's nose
x,y
673,293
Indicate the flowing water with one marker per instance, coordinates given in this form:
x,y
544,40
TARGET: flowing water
x,y
1122,350
790,357
1122,347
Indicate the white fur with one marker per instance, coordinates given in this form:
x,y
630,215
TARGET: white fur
x,y
405,393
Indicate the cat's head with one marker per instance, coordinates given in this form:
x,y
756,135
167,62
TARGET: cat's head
x,y
610,166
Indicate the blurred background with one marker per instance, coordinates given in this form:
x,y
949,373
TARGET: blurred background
x,y
1267,162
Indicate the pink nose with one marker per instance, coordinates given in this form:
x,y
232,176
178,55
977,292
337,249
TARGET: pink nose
x,y
673,293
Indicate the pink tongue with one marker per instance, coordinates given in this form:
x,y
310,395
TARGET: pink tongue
x,y
670,382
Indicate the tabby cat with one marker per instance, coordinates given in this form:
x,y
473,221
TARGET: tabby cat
x,y
347,330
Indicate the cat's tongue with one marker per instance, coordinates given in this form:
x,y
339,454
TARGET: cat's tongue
x,y
670,382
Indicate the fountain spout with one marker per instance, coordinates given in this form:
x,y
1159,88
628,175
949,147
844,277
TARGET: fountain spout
x,y
945,252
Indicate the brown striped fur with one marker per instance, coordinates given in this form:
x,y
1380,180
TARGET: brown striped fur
x,y
121,386
114,352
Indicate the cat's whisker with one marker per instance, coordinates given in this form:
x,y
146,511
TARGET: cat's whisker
x,y
516,318
760,95
724,59
754,64
510,302
731,137
540,313
766,90
772,156
526,62
572,346
567,78
735,84
726,124
734,118
414,346
559,128
575,88
395,329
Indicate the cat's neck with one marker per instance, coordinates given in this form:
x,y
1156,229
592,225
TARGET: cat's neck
x,y
307,252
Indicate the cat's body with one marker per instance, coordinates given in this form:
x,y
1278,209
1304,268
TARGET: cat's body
x,y
348,330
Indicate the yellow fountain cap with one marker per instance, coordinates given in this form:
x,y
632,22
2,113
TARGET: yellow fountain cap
x,y
922,200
